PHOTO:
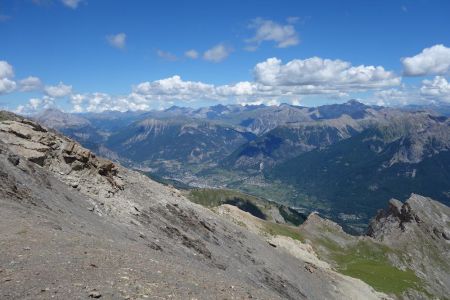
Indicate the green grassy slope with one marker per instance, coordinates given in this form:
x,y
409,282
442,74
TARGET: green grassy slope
x,y
259,207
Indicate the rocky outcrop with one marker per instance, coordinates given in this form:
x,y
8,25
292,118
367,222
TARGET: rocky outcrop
x,y
63,157
416,213
419,229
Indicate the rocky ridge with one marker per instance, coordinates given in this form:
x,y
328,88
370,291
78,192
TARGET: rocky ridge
x,y
419,228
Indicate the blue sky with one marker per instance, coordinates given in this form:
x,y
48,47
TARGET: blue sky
x,y
92,55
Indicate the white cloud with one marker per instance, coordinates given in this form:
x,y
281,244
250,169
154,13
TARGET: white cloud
x,y
394,97
296,102
77,102
243,88
274,83
117,40
58,91
166,55
323,74
437,89
99,102
19,109
71,3
267,30
6,70
431,61
36,104
7,84
192,54
174,88
217,53
30,84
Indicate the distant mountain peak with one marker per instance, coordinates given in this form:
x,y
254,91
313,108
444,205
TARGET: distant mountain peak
x,y
55,118
354,102
173,107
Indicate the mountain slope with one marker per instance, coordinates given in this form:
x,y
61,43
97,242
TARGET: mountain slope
x,y
360,174
347,160
419,228
168,146
287,141
406,253
307,129
76,226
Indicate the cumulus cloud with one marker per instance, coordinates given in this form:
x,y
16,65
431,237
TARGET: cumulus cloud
x,y
270,31
71,3
30,84
35,104
58,91
217,53
323,74
274,82
77,102
394,97
192,54
437,89
117,40
166,55
99,102
174,88
7,84
243,88
431,61
6,70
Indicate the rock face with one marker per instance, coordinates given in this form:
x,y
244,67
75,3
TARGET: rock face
x,y
420,229
71,162
400,220
76,226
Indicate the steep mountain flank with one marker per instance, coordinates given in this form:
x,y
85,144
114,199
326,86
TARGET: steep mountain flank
x,y
168,146
288,141
405,254
357,176
420,229
406,251
77,226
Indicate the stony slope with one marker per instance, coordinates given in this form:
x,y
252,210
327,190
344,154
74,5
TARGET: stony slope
x,y
405,254
77,226
406,251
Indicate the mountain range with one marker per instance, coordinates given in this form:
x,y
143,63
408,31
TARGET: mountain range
x,y
344,160
76,225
